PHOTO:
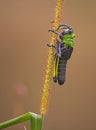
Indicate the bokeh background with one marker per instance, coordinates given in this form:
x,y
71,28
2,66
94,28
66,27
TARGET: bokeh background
x,y
23,59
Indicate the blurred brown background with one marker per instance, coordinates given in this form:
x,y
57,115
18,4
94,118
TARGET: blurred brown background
x,y
23,59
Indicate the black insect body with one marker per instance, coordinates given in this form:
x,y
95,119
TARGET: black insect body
x,y
64,49
61,70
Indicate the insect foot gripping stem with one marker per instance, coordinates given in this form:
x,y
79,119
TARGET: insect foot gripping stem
x,y
50,45
55,79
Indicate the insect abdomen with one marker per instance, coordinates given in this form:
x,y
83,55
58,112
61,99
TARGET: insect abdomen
x,y
61,71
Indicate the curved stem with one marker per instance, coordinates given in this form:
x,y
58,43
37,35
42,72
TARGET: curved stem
x,y
35,120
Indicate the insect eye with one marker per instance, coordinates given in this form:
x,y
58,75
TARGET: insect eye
x,y
66,30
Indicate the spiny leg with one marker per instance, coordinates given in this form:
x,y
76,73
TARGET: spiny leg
x,y
54,31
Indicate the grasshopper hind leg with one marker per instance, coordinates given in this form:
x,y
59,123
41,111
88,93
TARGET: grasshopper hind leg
x,y
55,74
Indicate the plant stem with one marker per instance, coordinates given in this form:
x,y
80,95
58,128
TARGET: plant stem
x,y
35,119
36,122
46,87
